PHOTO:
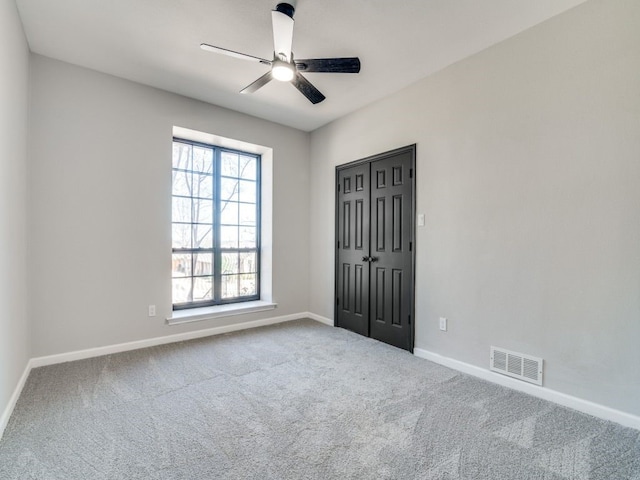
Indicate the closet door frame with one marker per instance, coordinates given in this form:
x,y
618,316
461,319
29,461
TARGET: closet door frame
x,y
411,149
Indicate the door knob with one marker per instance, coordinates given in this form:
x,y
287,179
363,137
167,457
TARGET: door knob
x,y
373,259
366,259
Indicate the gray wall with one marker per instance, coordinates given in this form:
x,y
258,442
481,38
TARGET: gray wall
x,y
14,85
527,171
99,207
527,174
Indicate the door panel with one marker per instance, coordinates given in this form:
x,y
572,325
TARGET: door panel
x,y
353,244
392,257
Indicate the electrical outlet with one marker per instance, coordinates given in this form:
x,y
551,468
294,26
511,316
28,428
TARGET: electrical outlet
x,y
443,324
152,310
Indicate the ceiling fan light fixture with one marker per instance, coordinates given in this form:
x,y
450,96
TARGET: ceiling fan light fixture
x,y
282,71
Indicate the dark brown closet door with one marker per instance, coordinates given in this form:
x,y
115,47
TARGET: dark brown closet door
x,y
374,258
352,300
391,272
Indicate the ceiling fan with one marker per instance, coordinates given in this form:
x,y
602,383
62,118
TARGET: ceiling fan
x,y
283,66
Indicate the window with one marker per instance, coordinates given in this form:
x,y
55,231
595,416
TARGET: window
x,y
216,225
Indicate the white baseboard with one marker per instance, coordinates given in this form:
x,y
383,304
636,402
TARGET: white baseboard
x,y
151,342
319,318
585,406
4,419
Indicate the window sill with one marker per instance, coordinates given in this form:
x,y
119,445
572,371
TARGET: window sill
x,y
207,313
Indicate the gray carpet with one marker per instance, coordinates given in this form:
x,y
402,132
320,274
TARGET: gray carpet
x,y
296,401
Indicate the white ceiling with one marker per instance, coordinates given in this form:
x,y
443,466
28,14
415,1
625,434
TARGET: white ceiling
x,y
156,42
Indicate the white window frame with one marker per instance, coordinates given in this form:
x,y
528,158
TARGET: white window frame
x,y
266,212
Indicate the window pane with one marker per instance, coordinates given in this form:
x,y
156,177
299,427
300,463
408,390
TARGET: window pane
x,y
202,159
229,167
229,213
181,210
248,168
229,286
181,235
182,290
202,186
248,262
181,155
247,237
247,191
229,262
229,237
248,285
181,183
203,264
181,265
228,189
202,237
202,289
202,211
247,214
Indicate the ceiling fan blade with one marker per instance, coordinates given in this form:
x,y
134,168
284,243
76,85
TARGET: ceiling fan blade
x,y
329,65
308,90
259,83
282,19
231,53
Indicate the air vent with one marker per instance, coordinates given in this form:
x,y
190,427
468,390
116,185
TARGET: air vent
x,y
517,365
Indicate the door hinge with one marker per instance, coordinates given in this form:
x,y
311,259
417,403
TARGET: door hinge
x,y
337,301
338,187
410,173
338,244
410,246
409,319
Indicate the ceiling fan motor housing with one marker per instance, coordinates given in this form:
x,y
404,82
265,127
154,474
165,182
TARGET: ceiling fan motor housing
x,y
285,8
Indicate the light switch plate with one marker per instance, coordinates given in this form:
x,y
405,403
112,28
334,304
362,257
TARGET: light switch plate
x,y
443,324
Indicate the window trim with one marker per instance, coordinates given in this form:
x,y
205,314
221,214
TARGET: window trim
x,y
188,315
216,249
